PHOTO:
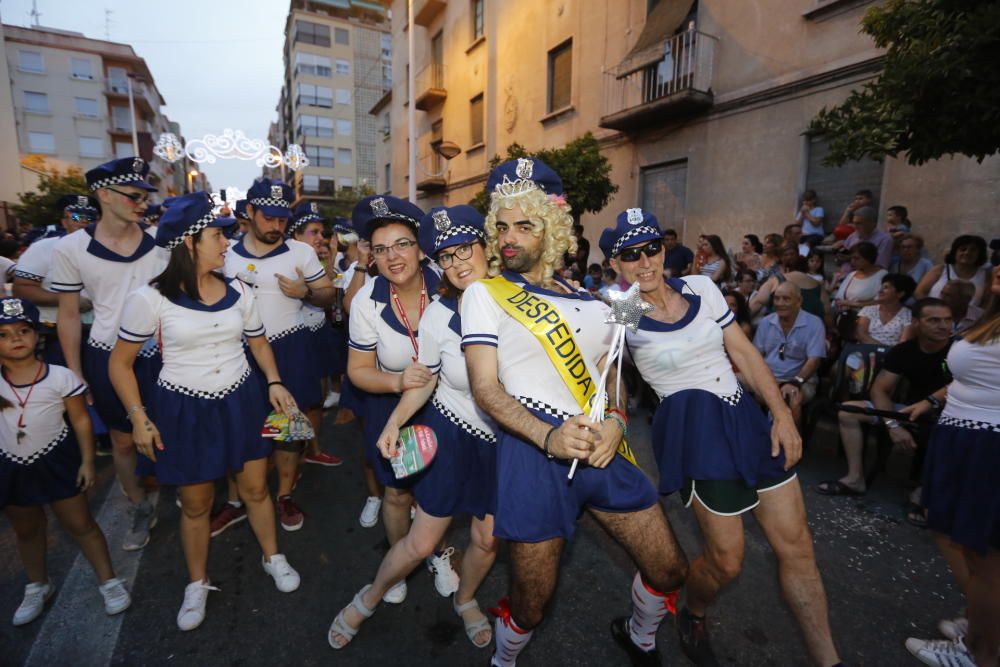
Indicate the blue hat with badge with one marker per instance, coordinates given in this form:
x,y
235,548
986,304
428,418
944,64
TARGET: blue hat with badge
x,y
186,216
445,227
525,174
240,210
383,207
272,198
632,226
18,310
83,205
342,226
305,213
126,171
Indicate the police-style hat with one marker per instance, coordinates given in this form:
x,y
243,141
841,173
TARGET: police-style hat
x,y
240,210
445,227
383,207
342,226
80,204
126,171
516,177
305,213
273,198
153,211
632,226
18,310
186,216
170,201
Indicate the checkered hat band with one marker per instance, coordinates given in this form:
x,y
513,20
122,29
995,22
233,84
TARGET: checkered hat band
x,y
199,225
270,201
460,230
121,179
304,220
631,234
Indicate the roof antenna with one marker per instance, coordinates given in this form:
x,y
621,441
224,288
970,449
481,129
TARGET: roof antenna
x,y
34,13
107,24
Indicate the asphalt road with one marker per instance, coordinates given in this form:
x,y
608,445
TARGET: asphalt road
x,y
884,579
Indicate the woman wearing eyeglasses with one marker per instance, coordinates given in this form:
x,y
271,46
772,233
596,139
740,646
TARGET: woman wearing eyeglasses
x,y
711,440
462,477
382,358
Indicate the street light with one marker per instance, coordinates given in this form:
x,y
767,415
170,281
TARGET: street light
x,y
191,176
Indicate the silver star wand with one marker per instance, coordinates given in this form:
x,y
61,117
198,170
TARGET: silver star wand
x,y
627,308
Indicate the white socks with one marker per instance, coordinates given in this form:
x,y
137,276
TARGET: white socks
x,y
649,607
510,639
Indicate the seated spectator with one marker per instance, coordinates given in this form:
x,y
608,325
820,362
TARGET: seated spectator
x,y
898,222
793,344
921,362
816,268
861,199
958,295
749,255
865,221
965,261
811,216
716,264
745,282
738,304
592,281
678,258
771,258
609,281
793,236
861,285
911,260
814,296
885,322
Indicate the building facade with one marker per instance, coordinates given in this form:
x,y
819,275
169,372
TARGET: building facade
x,y
337,66
69,98
701,107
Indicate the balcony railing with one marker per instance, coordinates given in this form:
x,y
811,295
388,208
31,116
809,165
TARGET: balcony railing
x,y
677,84
430,90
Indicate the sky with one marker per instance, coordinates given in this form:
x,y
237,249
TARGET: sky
x,y
217,63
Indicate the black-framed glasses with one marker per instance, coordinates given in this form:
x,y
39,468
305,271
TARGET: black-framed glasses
x,y
399,247
136,197
650,249
445,259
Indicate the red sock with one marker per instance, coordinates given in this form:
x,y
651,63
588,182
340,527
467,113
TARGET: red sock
x,y
649,607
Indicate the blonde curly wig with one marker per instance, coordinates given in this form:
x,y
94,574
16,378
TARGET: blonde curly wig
x,y
551,218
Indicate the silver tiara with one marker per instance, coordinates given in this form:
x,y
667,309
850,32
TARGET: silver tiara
x,y
379,207
515,188
634,216
441,220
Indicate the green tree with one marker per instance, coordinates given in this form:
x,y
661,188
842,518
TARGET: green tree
x,y
344,201
39,208
939,93
585,173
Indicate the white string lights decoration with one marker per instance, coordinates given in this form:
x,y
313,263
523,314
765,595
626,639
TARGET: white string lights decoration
x,y
230,145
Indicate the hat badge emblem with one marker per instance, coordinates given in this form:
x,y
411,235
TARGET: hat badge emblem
x,y
81,200
137,164
442,222
634,216
525,168
314,208
276,192
13,308
379,207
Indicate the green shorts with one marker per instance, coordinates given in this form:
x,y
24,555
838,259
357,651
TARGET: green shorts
x,y
729,497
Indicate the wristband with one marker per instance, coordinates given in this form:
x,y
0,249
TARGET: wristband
x,y
617,418
276,382
545,443
935,403
617,411
131,411
890,423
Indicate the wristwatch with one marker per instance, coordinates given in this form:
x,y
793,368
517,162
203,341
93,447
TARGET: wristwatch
x,y
890,423
935,403
798,381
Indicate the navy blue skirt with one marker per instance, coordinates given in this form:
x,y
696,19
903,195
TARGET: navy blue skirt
x,y
699,436
339,348
50,477
205,439
535,501
960,484
377,408
95,371
462,477
324,351
298,368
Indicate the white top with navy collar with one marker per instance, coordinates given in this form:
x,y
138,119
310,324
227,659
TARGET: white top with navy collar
x,y
374,326
35,264
689,353
202,345
44,426
441,352
525,369
81,262
282,315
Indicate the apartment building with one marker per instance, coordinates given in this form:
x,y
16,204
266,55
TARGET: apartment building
x,y
337,66
70,101
701,106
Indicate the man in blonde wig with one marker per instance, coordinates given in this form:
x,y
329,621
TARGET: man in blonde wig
x,y
535,347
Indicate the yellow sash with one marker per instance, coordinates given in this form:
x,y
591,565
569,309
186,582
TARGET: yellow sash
x,y
555,335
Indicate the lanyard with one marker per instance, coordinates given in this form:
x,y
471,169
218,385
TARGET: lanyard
x,y
406,320
22,403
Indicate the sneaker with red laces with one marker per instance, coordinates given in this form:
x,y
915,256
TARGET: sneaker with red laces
x,y
323,459
289,514
228,515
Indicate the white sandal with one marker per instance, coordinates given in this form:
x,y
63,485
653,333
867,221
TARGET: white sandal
x,y
340,625
474,628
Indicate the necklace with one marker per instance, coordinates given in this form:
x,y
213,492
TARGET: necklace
x,y
22,403
406,320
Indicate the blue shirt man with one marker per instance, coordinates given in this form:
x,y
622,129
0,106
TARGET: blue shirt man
x,y
677,258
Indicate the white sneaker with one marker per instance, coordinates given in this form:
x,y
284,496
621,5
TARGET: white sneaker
x,y
33,604
954,628
940,652
369,515
116,598
332,399
396,594
286,579
445,577
192,612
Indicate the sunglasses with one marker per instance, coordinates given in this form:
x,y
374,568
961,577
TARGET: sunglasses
x,y
650,249
81,217
135,197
